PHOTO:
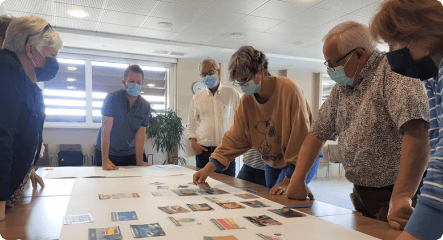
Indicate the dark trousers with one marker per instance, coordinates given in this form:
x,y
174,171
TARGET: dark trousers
x,y
203,159
374,202
118,160
252,175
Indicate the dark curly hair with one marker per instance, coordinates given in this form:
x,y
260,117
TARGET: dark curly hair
x,y
245,62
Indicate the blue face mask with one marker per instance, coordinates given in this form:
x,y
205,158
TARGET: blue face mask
x,y
133,89
338,75
210,81
251,88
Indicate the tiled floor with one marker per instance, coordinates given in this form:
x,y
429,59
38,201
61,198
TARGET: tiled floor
x,y
334,191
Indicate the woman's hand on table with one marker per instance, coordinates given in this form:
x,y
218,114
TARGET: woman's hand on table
x,y
281,188
36,179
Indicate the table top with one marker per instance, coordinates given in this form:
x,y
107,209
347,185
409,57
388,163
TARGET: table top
x,y
39,214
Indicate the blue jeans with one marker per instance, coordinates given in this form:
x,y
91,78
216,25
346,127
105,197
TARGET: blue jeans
x,y
202,159
252,175
277,175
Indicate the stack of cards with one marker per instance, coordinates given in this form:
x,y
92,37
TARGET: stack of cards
x,y
147,230
200,207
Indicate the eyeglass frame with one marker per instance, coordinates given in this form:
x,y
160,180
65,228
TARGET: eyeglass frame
x,y
336,62
210,73
240,83
46,28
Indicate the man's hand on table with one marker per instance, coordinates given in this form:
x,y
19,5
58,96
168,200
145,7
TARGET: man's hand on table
x,y
200,176
108,165
298,190
36,179
406,236
281,188
400,210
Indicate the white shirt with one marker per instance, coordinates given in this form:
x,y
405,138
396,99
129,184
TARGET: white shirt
x,y
210,116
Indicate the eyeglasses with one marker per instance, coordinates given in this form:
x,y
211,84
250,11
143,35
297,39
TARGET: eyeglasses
x,y
336,62
210,73
44,30
241,83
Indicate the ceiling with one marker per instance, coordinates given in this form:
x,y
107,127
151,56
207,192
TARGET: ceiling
x,y
201,28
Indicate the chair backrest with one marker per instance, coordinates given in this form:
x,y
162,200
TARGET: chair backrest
x,y
325,153
333,154
71,147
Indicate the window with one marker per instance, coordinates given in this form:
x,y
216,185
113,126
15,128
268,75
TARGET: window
x,y
327,85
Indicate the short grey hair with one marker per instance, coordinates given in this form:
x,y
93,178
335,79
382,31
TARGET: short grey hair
x,y
351,35
29,29
208,61
245,62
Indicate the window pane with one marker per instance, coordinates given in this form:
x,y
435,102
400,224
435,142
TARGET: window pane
x,y
64,96
327,85
154,89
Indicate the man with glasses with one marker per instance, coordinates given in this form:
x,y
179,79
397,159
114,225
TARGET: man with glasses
x,y
380,119
211,114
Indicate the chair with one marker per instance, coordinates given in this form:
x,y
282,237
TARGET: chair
x,y
334,157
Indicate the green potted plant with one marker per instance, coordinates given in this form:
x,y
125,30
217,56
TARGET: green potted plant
x,y
166,130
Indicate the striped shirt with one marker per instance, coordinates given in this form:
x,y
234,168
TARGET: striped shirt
x,y
253,159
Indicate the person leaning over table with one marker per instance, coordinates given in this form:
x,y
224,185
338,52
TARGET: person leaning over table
x,y
273,117
29,55
413,30
381,120
126,114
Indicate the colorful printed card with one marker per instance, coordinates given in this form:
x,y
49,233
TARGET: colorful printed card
x,y
193,192
255,204
123,216
158,194
246,196
200,207
231,237
182,186
156,183
263,221
217,200
162,187
230,205
111,233
182,222
76,219
147,230
118,196
173,209
266,237
104,197
225,224
287,213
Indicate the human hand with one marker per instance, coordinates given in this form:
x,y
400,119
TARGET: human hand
x,y
36,179
298,190
281,188
198,149
407,236
200,176
2,210
400,210
108,165
144,164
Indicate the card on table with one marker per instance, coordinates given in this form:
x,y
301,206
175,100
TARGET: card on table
x,y
200,207
173,209
182,186
287,213
225,224
123,216
147,230
263,220
156,183
217,200
182,222
246,196
104,196
158,194
231,237
110,233
125,195
266,237
185,192
162,187
204,185
230,205
255,204
211,191
76,219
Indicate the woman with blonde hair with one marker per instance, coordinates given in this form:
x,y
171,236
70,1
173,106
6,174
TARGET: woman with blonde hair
x,y
413,29
29,55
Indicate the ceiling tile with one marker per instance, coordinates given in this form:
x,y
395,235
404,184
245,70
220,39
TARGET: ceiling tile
x,y
267,39
303,2
177,11
177,25
316,47
225,43
197,3
17,14
315,17
243,6
289,43
309,54
142,7
61,10
121,18
149,33
191,38
289,28
344,5
369,11
279,10
203,29
218,18
75,24
259,24
86,3
247,35
349,17
117,29
35,6
276,50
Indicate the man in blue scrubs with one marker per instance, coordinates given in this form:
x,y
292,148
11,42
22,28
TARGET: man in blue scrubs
x,y
126,115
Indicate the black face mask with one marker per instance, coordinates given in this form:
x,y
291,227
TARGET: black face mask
x,y
401,63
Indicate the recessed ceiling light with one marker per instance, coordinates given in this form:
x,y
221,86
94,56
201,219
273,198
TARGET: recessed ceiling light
x,y
71,79
72,68
237,35
151,85
164,24
298,43
71,87
78,13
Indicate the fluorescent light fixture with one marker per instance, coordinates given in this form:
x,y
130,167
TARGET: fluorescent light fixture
x,y
64,93
237,35
71,79
164,24
97,104
108,64
99,95
63,102
96,113
154,98
151,85
158,107
71,61
72,68
155,69
65,112
78,13
71,87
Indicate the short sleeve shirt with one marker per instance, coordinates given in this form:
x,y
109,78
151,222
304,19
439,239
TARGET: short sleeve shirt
x,y
126,122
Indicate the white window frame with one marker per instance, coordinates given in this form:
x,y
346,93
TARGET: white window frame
x,y
91,55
